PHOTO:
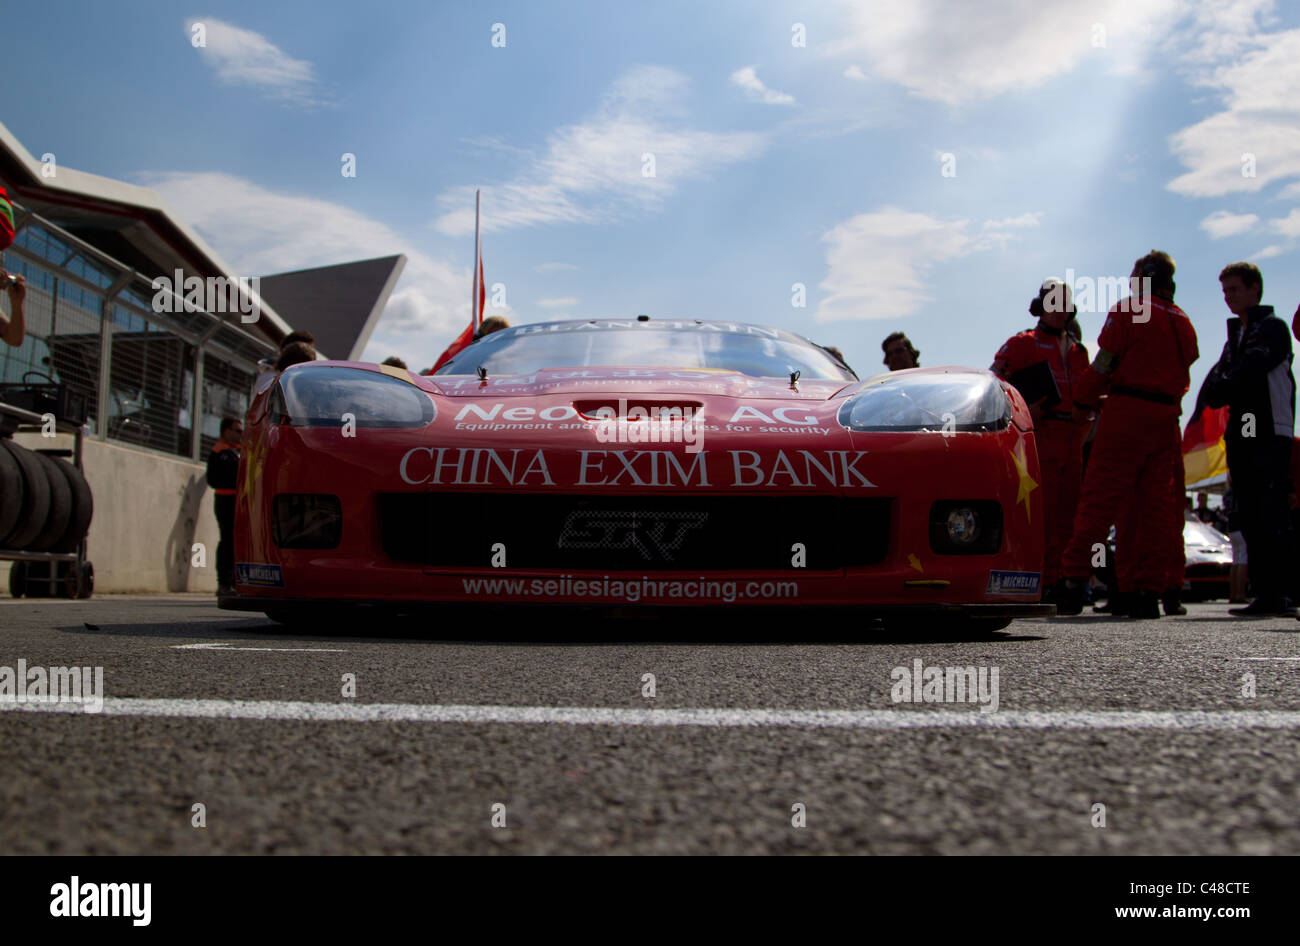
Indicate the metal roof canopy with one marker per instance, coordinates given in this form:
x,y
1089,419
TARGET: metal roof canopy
x,y
241,345
121,222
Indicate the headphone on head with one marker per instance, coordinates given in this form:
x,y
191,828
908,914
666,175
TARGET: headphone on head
x,y
1036,304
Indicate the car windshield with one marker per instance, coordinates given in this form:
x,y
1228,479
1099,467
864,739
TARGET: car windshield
x,y
724,346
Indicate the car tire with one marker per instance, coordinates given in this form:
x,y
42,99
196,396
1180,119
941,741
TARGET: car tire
x,y
18,579
11,494
36,497
83,508
60,512
981,626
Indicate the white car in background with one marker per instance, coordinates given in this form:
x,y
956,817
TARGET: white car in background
x,y
1209,556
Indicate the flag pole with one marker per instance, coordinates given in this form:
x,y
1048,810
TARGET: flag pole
x,y
478,255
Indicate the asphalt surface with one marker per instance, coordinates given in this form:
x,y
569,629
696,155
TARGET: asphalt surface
x,y
576,777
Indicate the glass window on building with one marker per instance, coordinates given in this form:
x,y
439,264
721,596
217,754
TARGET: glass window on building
x,y
225,394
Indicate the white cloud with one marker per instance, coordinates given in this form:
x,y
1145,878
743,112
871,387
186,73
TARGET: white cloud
x,y
564,303
747,79
1224,223
877,262
1255,140
243,57
594,171
855,72
1289,225
959,53
1029,219
1224,29
1268,251
554,267
259,232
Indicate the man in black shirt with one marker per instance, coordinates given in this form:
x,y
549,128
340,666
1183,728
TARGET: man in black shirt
x,y
223,471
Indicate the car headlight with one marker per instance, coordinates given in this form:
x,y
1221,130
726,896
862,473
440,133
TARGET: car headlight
x,y
307,521
942,402
320,395
965,526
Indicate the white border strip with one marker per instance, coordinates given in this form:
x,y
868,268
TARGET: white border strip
x,y
709,718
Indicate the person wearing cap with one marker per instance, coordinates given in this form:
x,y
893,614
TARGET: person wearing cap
x,y
1145,349
1058,435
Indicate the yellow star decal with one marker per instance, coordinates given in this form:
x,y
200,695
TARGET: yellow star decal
x,y
256,457
1027,484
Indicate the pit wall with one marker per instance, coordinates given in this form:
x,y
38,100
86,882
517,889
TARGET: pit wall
x,y
150,509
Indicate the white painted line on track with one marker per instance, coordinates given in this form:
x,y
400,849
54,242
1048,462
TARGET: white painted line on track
x,y
269,650
711,718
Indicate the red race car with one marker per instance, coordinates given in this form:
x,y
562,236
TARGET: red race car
x,y
640,462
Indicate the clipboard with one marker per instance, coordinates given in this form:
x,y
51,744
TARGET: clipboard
x,y
1037,381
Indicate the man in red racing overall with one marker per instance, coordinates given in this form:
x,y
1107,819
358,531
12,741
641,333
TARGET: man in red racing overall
x,y
1145,349
1057,433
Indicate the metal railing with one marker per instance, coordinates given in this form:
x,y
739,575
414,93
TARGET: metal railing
x,y
159,381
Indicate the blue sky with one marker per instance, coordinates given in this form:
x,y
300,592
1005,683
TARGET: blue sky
x,y
1076,135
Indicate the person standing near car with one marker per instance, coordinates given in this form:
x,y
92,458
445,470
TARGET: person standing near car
x,y
1057,434
1145,349
900,353
1232,529
1253,378
223,471
13,326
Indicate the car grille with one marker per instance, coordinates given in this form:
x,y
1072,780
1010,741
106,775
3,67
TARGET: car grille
x,y
633,533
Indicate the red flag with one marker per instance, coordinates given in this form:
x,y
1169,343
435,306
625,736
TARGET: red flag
x,y
467,336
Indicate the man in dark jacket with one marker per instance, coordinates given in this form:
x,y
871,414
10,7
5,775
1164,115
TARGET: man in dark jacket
x,y
223,470
1253,377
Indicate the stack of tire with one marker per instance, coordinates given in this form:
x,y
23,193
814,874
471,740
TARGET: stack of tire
x,y
45,506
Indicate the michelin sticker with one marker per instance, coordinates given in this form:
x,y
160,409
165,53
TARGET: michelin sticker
x,y
1013,583
266,576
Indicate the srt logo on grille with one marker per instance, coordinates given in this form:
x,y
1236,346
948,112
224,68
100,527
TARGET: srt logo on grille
x,y
655,535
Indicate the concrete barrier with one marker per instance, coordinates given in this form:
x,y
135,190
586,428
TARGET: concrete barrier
x,y
150,510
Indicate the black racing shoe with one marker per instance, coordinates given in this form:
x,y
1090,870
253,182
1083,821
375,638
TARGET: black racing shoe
x,y
1173,607
1069,597
1265,608
1146,605
1118,605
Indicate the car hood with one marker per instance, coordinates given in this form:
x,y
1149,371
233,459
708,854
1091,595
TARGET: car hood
x,y
665,381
